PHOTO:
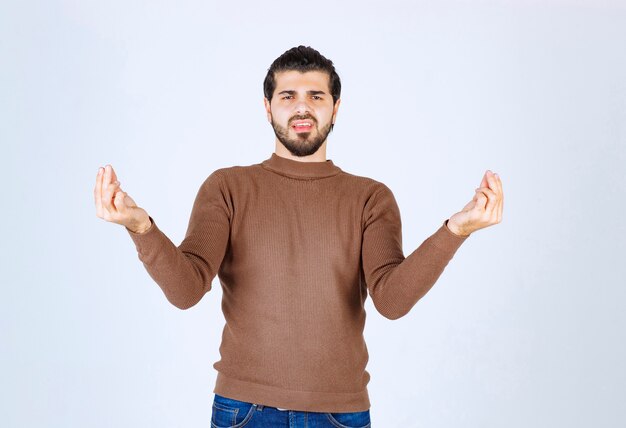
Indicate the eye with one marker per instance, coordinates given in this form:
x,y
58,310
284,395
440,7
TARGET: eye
x,y
317,97
287,96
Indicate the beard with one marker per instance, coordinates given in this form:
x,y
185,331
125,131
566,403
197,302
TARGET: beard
x,y
303,144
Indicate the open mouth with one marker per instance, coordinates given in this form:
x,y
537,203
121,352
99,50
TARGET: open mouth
x,y
302,125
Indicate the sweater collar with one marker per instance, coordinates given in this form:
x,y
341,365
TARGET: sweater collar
x,y
298,169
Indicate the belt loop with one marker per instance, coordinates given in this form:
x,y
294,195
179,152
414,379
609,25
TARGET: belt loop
x,y
259,407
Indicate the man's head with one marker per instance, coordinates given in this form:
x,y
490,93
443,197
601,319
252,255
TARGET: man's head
x,y
301,86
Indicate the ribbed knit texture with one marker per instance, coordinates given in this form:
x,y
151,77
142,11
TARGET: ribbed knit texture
x,y
297,247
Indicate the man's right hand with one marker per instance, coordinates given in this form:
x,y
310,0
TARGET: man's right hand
x,y
114,205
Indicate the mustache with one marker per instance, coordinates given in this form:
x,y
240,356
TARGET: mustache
x,y
293,119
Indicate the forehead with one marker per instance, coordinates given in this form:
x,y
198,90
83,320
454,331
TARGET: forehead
x,y
310,80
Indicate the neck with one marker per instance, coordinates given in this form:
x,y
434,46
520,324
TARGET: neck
x,y
318,156
305,170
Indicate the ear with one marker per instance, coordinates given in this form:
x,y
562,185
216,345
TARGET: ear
x,y
268,110
335,109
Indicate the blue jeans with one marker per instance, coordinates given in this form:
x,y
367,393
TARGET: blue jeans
x,y
229,413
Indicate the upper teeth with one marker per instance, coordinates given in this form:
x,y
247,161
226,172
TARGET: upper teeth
x,y
303,124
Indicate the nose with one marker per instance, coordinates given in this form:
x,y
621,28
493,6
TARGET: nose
x,y
302,107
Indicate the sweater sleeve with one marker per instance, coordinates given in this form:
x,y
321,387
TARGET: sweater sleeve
x,y
396,283
185,273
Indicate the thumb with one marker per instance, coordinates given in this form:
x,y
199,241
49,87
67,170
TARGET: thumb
x,y
469,205
128,201
119,202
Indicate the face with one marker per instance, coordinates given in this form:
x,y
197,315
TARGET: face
x,y
302,111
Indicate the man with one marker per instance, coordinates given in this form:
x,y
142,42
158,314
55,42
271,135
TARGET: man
x,y
297,244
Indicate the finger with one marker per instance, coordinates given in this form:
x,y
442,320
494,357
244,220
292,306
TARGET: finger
x,y
107,197
110,176
497,187
113,174
106,181
483,182
498,181
97,192
481,200
492,182
118,201
491,199
501,205
500,193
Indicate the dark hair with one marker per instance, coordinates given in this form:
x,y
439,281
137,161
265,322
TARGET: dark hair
x,y
302,59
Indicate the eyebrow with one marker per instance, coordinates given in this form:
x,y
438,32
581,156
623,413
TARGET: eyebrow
x,y
292,92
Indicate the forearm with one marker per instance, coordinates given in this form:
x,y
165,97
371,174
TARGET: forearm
x,y
403,284
183,276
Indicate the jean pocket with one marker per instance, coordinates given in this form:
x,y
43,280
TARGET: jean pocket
x,y
230,413
350,420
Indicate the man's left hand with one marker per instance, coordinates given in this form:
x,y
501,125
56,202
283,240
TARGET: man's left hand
x,y
484,210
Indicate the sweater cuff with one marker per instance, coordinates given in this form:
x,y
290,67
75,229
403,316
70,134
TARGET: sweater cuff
x,y
447,240
145,238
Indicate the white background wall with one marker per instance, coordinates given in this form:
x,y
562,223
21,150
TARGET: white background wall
x,y
525,328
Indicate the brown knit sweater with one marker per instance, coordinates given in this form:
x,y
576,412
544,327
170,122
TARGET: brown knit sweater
x,y
296,246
